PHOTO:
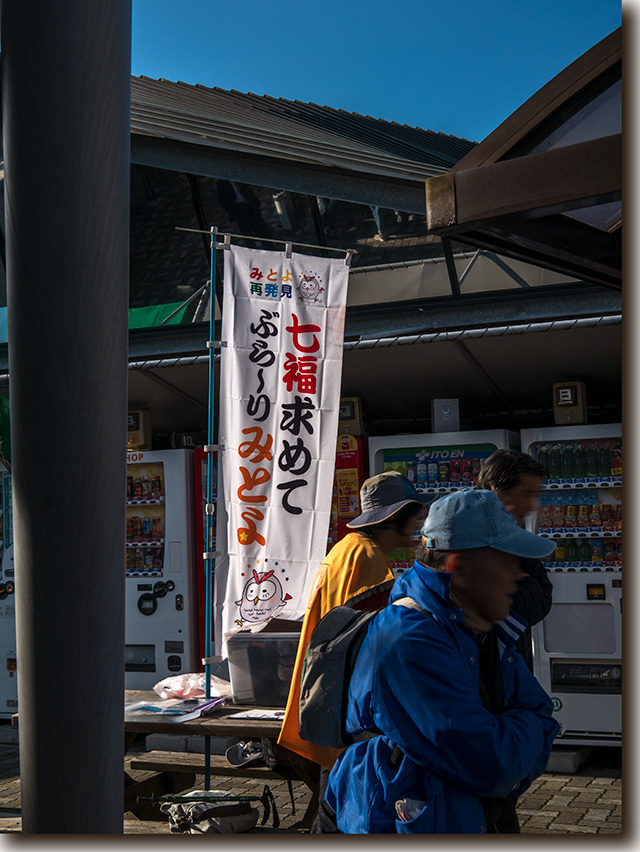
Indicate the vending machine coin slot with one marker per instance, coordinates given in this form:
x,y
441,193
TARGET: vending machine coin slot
x,y
179,603
147,604
174,663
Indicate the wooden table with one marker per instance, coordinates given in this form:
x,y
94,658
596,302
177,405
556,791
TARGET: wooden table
x,y
175,774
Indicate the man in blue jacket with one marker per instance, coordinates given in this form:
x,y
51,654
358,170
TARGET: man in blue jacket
x,y
462,726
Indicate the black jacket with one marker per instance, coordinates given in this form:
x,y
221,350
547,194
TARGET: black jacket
x,y
532,601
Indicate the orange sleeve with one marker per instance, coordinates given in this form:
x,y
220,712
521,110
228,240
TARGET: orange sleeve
x,y
353,567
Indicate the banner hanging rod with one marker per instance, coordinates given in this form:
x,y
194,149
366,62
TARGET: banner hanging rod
x,y
211,233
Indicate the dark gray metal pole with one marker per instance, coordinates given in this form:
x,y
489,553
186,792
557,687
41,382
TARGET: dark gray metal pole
x,y
66,102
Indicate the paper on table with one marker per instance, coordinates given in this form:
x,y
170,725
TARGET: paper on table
x,y
172,709
276,715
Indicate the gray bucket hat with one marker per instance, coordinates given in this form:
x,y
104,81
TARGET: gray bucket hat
x,y
381,496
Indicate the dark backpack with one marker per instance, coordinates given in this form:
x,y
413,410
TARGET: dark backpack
x,y
328,663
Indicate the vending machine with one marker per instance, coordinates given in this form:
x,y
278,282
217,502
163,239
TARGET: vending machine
x,y
352,468
578,646
161,612
202,547
8,660
437,463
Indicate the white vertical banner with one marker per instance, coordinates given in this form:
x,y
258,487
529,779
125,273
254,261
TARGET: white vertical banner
x,y
280,376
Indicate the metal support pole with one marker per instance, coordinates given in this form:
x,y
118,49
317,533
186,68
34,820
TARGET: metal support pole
x,y
66,123
210,518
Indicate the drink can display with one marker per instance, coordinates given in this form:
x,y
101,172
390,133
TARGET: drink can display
x,y
580,462
421,472
443,471
616,459
597,550
148,558
592,460
560,553
466,471
476,464
604,460
130,560
156,527
568,462
546,519
130,492
146,488
146,527
571,517
137,487
585,551
594,516
411,472
558,516
432,471
618,516
156,486
573,554
610,555
555,462
607,517
456,474
583,516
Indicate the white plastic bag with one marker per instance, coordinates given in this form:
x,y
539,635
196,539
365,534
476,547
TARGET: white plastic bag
x,y
192,686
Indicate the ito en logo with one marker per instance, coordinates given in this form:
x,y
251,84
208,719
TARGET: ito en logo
x,y
310,287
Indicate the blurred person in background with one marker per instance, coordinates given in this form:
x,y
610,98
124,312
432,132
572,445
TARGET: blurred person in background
x,y
517,480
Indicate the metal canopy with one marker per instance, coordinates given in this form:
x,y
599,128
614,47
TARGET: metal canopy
x,y
546,185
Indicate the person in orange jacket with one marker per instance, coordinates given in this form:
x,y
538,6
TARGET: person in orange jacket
x,y
356,572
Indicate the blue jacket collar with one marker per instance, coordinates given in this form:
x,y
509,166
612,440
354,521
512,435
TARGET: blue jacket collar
x,y
432,590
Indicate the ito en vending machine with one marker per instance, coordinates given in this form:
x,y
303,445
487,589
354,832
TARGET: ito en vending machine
x,y
8,658
437,463
161,589
578,646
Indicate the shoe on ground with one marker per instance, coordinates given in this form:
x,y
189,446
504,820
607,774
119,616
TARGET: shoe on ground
x,y
244,754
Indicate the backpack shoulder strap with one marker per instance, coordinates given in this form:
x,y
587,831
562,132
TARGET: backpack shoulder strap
x,y
411,604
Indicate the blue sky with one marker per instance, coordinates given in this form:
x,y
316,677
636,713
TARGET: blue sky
x,y
454,66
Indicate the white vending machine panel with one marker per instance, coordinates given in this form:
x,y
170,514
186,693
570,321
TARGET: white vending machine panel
x,y
161,584
578,646
438,463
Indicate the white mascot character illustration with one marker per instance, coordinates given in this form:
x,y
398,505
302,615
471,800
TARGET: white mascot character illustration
x,y
309,288
261,597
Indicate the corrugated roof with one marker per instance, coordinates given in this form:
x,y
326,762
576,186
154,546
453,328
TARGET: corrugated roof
x,y
291,130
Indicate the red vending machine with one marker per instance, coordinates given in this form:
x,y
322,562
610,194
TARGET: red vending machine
x,y
352,468
200,479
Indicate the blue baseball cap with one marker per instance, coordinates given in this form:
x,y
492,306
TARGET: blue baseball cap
x,y
469,519
383,495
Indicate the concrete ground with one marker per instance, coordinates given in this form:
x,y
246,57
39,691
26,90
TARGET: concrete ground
x,y
585,801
